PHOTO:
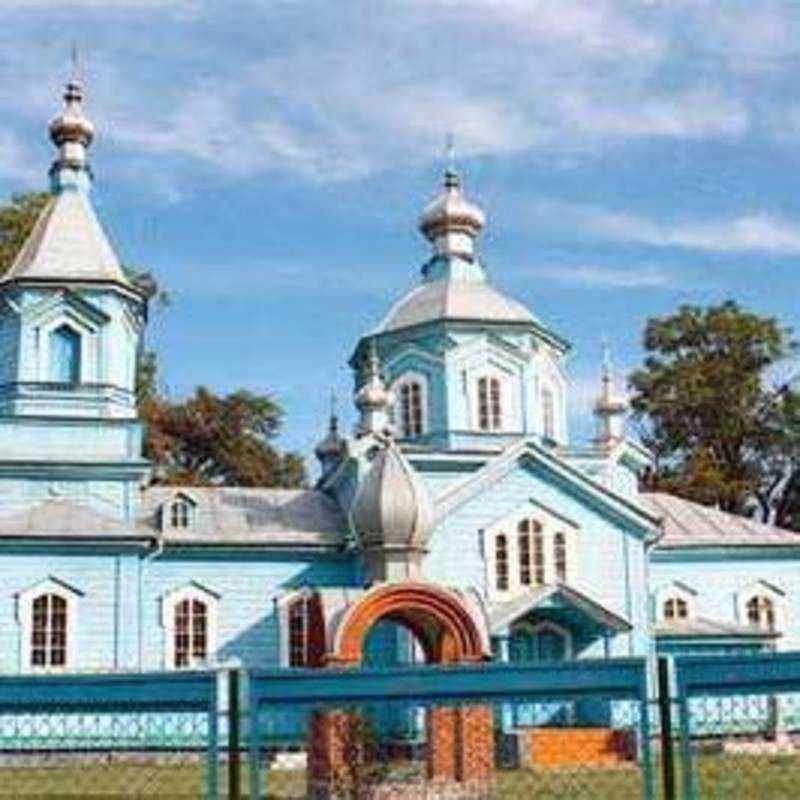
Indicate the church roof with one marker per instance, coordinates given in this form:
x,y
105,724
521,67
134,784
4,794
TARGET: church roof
x,y
702,627
246,516
453,300
65,518
67,243
688,524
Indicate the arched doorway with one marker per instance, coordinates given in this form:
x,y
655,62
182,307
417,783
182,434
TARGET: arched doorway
x,y
458,739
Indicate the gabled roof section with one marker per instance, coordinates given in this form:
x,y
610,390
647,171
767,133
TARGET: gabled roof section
x,y
244,516
691,525
702,627
67,244
644,518
504,614
60,517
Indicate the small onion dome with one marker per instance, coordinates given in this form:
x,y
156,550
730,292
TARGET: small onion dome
x,y
71,125
333,445
392,507
373,393
451,211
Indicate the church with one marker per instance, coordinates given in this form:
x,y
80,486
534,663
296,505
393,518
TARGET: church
x,y
459,495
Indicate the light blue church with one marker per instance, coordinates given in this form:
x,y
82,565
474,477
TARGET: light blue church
x,y
460,476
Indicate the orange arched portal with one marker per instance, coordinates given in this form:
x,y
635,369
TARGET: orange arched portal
x,y
439,619
460,739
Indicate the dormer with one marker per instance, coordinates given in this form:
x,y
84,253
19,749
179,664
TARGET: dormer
x,y
178,513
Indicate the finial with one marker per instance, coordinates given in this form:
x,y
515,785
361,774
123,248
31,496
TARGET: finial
x,y
71,132
611,406
334,419
373,398
451,179
606,359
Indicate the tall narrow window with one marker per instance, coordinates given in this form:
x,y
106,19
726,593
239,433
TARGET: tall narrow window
x,y
675,608
761,612
525,552
538,553
490,405
49,631
548,413
298,633
65,355
180,512
411,420
560,556
501,562
190,632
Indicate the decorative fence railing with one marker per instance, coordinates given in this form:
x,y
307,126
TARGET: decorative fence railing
x,y
710,727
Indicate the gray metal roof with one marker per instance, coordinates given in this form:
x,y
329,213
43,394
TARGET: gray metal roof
x,y
453,300
235,515
67,243
65,518
688,524
702,627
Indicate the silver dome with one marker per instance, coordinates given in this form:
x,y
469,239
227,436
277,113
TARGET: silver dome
x,y
392,508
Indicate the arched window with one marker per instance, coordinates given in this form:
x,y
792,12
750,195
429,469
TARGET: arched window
x,y
560,556
490,408
180,513
298,633
675,608
501,562
190,632
411,419
48,631
761,612
531,553
538,553
524,550
548,413
65,355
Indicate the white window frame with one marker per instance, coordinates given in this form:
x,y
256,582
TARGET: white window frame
x,y
675,591
88,368
283,606
533,628
406,379
550,525
763,589
169,604
25,601
167,512
505,401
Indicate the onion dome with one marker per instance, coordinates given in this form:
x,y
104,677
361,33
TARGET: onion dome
x,y
71,125
331,449
373,399
450,222
392,509
610,407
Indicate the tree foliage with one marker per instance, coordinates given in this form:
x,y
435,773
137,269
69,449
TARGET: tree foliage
x,y
204,440
17,218
722,431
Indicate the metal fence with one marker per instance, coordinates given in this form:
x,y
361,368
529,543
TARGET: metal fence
x,y
709,727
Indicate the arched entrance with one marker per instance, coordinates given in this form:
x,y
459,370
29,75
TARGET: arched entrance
x,y
459,739
440,620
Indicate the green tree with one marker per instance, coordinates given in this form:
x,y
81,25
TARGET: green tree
x,y
722,433
206,439
17,218
211,440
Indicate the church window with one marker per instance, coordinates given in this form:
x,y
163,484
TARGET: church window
x,y
675,608
189,617
761,612
180,513
501,562
410,409
190,632
524,553
65,355
538,553
298,633
48,640
560,556
490,409
540,643
548,413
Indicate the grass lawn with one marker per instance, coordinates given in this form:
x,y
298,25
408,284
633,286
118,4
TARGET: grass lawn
x,y
726,777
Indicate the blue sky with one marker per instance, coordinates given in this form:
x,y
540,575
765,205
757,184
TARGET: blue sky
x,y
268,161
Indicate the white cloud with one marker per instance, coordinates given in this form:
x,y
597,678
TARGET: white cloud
x,y
645,276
